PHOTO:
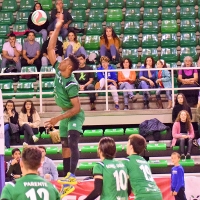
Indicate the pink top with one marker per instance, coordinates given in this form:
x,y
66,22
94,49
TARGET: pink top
x,y
187,72
176,132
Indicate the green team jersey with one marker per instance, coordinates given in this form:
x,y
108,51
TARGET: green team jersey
x,y
114,179
142,182
30,187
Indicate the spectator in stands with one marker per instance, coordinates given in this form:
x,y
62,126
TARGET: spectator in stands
x,y
183,133
14,169
35,28
31,52
11,52
47,170
5,167
86,80
197,134
163,80
72,46
10,119
189,78
109,44
126,80
29,121
180,104
111,81
55,14
58,50
147,78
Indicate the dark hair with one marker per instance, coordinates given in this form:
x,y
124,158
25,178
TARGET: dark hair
x,y
107,147
164,64
123,60
74,62
36,4
29,33
24,108
138,143
42,147
31,157
75,36
81,55
15,150
10,101
188,123
114,35
185,103
177,154
153,61
12,35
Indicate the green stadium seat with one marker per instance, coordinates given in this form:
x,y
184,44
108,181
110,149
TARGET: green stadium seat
x,y
80,4
116,26
134,3
94,28
163,132
22,17
149,52
89,149
78,15
169,13
9,5
188,12
67,4
47,86
45,136
24,87
130,131
20,39
132,27
188,25
20,27
131,54
151,14
116,4
188,51
26,5
114,132
172,64
86,165
92,42
60,167
39,39
158,163
187,163
188,39
156,147
47,69
169,54
150,27
151,3
114,15
7,87
169,3
79,25
5,29
94,132
149,40
29,69
130,41
132,14
96,4
187,2
96,15
8,152
169,26
2,41
46,4
51,150
22,137
169,40
6,18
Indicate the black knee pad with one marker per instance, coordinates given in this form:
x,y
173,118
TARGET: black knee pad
x,y
73,138
64,142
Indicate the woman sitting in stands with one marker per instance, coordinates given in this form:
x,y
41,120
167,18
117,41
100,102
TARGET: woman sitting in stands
x,y
147,78
29,121
111,81
189,78
72,46
126,80
10,119
109,44
180,104
163,80
183,133
35,28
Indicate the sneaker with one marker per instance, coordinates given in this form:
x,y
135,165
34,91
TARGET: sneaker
x,y
116,107
35,139
69,179
182,157
25,145
126,107
66,189
188,156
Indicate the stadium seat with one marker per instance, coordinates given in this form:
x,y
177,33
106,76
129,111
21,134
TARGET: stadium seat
x,y
26,5
134,3
96,15
29,69
132,27
149,40
151,3
188,51
187,163
89,149
188,25
187,2
149,52
94,132
132,14
20,39
86,165
169,40
79,25
169,54
98,4
172,64
22,17
60,167
8,152
92,42
2,41
47,86
169,13
130,131
45,136
150,27
46,4
158,163
169,26
188,39
7,87
67,4
188,12
156,147
9,5
94,28
114,15
78,15
51,150
39,39
20,28
5,29
80,4
6,18
50,77
130,41
169,3
116,4
131,54
116,26
151,14
114,132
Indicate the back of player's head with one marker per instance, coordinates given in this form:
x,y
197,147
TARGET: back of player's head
x,y
15,150
74,62
107,147
138,143
31,158
176,154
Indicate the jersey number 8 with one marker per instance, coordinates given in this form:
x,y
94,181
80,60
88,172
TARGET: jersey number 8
x,y
31,194
121,180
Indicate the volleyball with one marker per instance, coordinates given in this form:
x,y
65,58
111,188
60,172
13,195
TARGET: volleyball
x,y
39,17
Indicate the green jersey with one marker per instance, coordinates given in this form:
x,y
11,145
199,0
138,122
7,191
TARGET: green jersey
x,y
142,182
114,179
30,187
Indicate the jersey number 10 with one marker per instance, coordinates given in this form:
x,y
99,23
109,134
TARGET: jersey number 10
x,y
121,180
31,194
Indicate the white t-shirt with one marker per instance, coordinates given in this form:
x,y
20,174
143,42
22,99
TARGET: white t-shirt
x,y
7,47
40,169
126,73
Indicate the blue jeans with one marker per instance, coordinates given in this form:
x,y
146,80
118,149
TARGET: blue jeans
x,y
109,53
43,32
69,51
168,94
127,94
7,135
144,85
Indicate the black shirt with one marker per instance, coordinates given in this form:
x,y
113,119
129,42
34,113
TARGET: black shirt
x,y
30,119
183,128
177,108
67,15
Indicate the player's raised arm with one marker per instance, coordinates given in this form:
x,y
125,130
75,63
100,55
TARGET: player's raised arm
x,y
53,40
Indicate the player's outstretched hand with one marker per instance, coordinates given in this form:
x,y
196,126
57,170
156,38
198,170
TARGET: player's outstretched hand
x,y
51,123
60,21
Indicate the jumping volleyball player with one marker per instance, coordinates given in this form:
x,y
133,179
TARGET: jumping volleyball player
x,y
71,120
